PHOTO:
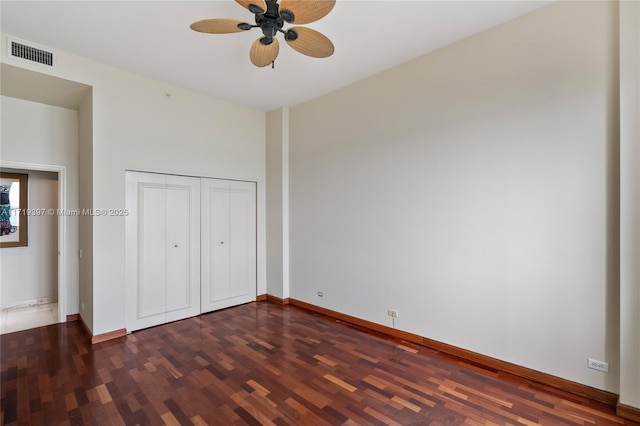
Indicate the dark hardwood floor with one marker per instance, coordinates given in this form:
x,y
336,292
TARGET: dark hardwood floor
x,y
262,363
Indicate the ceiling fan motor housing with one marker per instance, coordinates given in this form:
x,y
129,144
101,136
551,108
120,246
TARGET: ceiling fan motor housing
x,y
270,22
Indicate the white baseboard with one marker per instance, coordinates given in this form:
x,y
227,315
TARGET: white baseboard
x,y
30,302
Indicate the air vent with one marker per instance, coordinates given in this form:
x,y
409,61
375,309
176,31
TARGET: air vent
x,y
31,53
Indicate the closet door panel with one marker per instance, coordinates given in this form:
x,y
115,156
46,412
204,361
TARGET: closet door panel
x,y
178,271
228,256
183,242
145,256
215,254
152,257
220,244
162,249
242,249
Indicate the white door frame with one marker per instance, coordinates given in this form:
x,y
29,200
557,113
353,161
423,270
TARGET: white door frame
x,y
62,231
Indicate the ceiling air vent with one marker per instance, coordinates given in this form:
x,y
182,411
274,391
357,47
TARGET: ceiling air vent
x,y
31,53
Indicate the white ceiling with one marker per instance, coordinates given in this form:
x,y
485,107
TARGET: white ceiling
x,y
153,38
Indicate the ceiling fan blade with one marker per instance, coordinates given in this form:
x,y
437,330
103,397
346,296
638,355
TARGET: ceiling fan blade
x,y
305,11
260,4
217,26
309,42
262,55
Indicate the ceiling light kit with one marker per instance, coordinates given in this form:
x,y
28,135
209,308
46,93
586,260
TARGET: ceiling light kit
x,y
270,17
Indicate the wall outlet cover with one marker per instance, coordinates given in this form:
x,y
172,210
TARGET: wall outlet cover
x,y
598,365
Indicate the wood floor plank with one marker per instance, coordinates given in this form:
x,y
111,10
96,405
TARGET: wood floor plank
x,y
341,383
264,363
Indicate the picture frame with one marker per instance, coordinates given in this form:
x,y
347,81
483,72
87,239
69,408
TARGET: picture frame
x,y
14,190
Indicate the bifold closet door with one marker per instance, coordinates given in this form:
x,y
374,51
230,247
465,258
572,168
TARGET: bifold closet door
x,y
162,248
228,245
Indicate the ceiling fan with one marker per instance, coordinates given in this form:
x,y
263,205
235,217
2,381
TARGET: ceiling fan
x,y
270,17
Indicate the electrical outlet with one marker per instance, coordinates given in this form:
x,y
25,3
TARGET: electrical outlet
x,y
392,313
598,365
82,306
320,294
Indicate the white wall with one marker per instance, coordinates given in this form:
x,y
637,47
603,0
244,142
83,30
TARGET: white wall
x,y
145,125
137,127
630,203
274,135
30,274
469,190
46,135
85,202
277,169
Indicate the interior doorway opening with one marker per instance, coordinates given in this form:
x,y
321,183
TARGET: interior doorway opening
x,y
32,276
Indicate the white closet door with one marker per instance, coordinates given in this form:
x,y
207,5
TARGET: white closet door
x,y
183,247
152,298
162,249
228,243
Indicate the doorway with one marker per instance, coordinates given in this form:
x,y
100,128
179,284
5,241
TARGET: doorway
x,y
30,273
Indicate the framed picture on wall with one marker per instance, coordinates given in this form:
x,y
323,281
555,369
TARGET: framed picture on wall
x,y
13,209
